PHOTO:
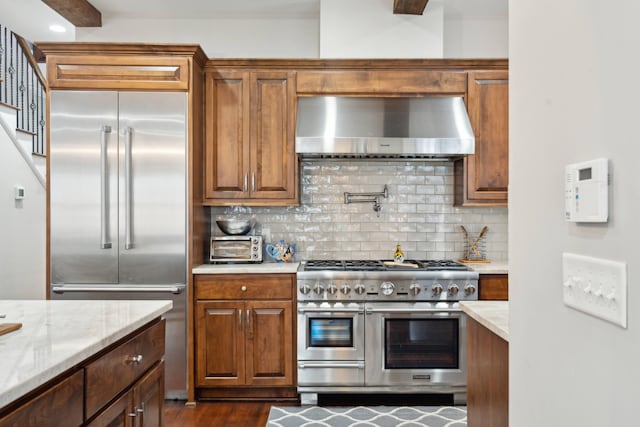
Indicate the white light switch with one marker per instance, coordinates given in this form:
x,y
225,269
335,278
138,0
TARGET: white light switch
x,y
596,286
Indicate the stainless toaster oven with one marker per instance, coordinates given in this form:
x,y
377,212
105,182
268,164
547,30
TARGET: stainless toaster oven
x,y
236,249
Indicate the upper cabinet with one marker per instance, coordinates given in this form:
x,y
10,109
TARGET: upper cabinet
x,y
250,138
483,178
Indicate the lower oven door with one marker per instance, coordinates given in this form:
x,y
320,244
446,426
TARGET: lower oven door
x,y
415,344
330,331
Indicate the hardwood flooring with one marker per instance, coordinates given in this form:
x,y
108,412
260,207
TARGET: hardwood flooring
x,y
222,414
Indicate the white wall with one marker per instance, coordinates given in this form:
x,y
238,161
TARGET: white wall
x,y
476,37
369,29
22,227
573,97
219,38
31,19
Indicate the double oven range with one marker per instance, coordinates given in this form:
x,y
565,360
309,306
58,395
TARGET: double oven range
x,y
379,327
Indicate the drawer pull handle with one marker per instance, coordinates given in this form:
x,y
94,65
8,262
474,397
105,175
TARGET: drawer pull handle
x,y
243,288
134,359
132,414
140,410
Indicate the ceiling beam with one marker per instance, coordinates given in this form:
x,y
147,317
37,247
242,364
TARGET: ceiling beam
x,y
80,13
409,7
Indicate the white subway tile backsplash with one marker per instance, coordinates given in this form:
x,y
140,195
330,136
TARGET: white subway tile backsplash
x,y
418,214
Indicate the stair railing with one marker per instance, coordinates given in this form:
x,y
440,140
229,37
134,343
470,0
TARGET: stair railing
x,y
22,86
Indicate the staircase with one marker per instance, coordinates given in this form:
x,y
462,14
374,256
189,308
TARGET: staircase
x,y
23,101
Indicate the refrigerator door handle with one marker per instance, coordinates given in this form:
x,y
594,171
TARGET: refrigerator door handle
x,y
173,289
128,229
104,190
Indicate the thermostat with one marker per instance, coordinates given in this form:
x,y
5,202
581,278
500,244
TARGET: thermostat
x,y
587,191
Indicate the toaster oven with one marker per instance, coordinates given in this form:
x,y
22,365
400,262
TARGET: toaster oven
x,y
236,249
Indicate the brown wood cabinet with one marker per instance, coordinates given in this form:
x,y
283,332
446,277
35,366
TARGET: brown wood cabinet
x,y
487,377
493,287
121,386
482,179
250,147
245,335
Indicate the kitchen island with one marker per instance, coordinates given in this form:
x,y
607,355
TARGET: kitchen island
x,y
71,359
487,363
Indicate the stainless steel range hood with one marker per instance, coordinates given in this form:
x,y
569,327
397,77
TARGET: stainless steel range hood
x,y
404,128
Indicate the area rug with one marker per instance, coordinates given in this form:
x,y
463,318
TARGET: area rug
x,y
361,416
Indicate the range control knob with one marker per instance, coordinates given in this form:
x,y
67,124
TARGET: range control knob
x,y
453,289
305,289
414,289
332,289
436,289
469,289
360,289
387,288
318,288
345,289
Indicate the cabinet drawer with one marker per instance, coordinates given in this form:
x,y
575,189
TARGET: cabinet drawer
x,y
245,286
60,405
120,367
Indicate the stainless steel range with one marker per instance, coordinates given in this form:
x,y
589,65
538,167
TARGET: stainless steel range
x,y
373,326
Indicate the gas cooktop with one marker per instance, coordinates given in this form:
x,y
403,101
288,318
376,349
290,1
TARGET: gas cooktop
x,y
381,265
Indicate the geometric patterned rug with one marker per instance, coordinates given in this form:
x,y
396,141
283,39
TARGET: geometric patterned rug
x,y
369,416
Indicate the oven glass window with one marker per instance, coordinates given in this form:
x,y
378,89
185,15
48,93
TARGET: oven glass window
x,y
421,343
325,332
232,249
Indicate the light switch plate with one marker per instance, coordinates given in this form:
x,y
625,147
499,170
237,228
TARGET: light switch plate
x,y
596,286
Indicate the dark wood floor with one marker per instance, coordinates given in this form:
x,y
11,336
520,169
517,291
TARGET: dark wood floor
x,y
223,414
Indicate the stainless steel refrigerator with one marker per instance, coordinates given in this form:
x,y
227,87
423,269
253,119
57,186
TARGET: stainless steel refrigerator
x,y
118,200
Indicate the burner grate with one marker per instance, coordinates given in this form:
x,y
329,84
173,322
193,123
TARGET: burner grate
x,y
364,265
324,264
442,264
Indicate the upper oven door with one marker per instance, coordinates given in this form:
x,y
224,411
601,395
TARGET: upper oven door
x,y
330,331
415,344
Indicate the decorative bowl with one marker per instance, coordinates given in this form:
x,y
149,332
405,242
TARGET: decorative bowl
x,y
235,227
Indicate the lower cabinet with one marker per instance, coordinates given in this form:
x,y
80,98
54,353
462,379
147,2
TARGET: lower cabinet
x,y
121,386
487,377
140,406
244,336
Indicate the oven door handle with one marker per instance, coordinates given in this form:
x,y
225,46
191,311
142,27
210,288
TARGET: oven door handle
x,y
370,310
358,365
302,310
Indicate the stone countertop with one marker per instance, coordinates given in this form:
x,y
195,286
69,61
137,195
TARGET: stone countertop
x,y
260,268
57,335
493,315
494,267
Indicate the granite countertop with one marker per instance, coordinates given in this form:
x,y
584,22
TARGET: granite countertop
x,y
493,315
494,267
57,335
260,268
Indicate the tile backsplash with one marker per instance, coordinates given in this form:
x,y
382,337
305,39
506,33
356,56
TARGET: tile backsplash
x,y
418,213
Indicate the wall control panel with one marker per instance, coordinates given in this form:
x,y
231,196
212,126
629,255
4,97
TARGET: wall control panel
x,y
587,191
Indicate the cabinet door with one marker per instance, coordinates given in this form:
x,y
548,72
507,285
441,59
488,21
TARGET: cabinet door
x,y
227,135
273,159
119,414
220,343
269,343
148,396
486,173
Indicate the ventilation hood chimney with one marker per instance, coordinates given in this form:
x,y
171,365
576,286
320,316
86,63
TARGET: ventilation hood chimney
x,y
386,128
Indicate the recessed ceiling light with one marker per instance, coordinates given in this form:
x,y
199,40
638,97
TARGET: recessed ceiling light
x,y
57,28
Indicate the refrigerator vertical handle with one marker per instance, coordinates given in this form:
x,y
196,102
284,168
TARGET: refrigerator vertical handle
x,y
128,229
104,188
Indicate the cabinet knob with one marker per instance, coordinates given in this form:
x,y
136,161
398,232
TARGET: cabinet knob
x,y
243,288
134,360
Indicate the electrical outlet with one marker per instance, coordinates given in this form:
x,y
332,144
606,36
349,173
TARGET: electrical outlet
x,y
266,234
596,286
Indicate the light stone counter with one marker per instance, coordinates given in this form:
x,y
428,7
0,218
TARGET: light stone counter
x,y
494,267
57,335
493,315
261,268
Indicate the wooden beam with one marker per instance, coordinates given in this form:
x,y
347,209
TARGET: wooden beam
x,y
409,7
80,13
